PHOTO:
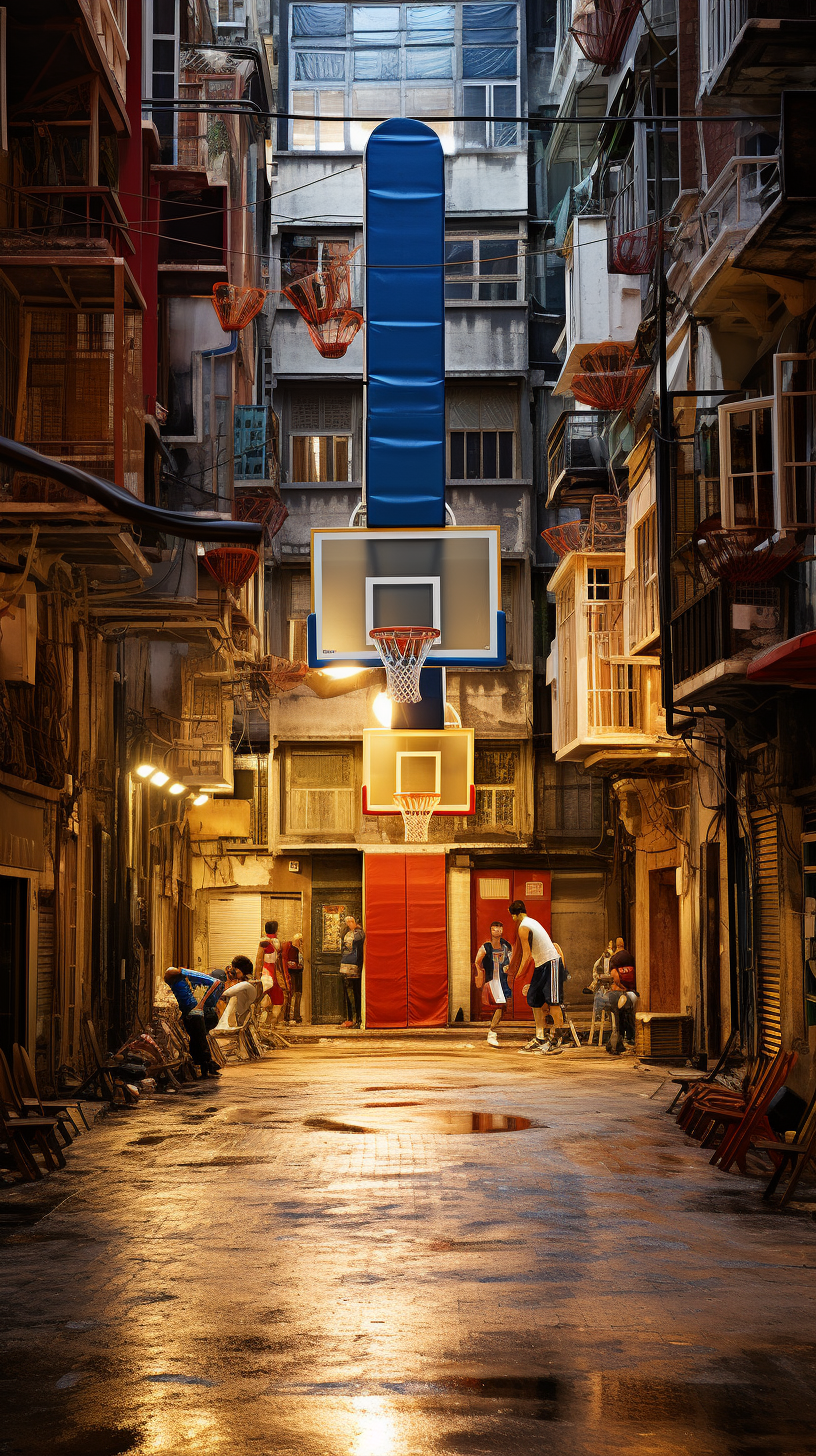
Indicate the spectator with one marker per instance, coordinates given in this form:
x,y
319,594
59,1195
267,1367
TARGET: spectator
x,y
543,973
267,958
600,983
622,969
185,984
351,967
492,961
240,994
292,958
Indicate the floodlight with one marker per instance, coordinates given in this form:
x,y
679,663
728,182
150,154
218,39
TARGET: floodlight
x,y
176,788
159,778
383,709
200,799
145,770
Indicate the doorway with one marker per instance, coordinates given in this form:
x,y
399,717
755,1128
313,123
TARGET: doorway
x,y
492,890
710,859
13,961
337,891
664,941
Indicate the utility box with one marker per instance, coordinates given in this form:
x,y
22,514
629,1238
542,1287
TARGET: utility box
x,y
663,1036
18,637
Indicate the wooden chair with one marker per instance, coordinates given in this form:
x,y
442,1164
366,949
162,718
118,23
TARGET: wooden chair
x,y
172,1029
568,1025
791,1158
104,1070
740,1128
601,1025
692,1114
686,1080
22,1133
25,1079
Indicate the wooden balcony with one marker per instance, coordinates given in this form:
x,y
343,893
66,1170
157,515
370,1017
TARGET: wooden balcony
x,y
107,23
756,47
62,219
606,703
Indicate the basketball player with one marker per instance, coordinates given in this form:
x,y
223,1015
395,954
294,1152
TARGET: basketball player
x,y
542,975
492,962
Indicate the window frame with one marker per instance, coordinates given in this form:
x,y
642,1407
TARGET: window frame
x,y
476,279
322,435
288,830
752,407
478,393
785,517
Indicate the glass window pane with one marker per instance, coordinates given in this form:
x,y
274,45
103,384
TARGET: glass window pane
x,y
489,460
312,20
342,458
489,61
320,66
498,255
475,100
504,104
428,63
743,492
428,101
458,258
380,101
765,501
473,456
764,440
505,455
164,17
457,455
430,23
376,24
303,132
742,445
376,66
489,24
458,290
164,55
332,136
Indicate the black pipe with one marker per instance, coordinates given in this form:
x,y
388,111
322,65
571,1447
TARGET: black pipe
x,y
172,523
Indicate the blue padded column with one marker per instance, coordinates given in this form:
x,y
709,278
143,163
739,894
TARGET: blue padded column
x,y
405,326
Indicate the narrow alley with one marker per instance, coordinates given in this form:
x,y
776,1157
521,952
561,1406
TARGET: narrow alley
x,y
317,1256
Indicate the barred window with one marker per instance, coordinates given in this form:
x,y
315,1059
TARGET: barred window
x,y
496,773
319,791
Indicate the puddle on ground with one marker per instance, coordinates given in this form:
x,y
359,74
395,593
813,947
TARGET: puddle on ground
x,y
430,1120
103,1441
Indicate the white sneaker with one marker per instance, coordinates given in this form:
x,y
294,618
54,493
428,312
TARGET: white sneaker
x,y
533,1045
492,1039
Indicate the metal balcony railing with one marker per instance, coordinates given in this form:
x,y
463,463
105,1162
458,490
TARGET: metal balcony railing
x,y
81,214
576,448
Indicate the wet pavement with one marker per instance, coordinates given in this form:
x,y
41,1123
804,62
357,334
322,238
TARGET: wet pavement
x,y
320,1255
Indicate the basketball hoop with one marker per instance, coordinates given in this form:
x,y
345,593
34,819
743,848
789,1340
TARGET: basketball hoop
x,y
403,651
417,811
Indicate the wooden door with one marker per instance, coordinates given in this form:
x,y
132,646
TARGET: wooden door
x,y
492,890
13,962
664,942
329,909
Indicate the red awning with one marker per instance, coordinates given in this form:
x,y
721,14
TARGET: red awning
x,y
792,662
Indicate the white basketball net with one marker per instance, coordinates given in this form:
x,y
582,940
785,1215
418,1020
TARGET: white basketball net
x,y
417,811
403,651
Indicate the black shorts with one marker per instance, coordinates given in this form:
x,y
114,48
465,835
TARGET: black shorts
x,y
546,985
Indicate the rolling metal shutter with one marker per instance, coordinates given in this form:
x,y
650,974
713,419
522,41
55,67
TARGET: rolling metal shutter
x,y
235,928
768,949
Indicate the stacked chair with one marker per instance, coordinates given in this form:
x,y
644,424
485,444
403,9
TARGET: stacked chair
x,y
32,1127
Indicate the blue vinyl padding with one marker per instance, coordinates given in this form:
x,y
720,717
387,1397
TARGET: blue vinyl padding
x,y
405,326
371,659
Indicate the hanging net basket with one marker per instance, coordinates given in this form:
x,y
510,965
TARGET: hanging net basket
x,y
332,338
319,296
635,252
403,651
236,307
611,378
602,31
566,538
231,566
263,506
417,812
607,524
744,553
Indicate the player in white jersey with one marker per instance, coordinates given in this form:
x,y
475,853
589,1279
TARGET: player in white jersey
x,y
542,973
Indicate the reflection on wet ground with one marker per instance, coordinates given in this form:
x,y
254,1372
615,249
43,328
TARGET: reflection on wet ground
x,y
430,1120
222,1278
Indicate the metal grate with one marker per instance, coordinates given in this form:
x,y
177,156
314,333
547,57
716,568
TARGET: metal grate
x,y
765,828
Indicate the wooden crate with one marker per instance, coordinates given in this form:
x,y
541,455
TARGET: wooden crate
x,y
663,1035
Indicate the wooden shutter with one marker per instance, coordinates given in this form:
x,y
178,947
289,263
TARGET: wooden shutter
x,y
767,937
235,924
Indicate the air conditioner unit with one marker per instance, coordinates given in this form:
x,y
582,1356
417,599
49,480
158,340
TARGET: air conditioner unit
x,y
18,638
663,1036
203,755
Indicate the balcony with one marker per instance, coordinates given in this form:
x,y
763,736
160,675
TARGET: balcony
x,y
717,636
783,241
601,308
606,702
194,221
62,219
756,47
577,457
107,23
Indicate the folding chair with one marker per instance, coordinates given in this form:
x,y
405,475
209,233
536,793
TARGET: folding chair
x,y
22,1132
688,1079
791,1158
25,1079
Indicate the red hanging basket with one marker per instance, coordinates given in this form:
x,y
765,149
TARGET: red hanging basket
x,y
321,295
262,506
744,553
602,32
236,307
611,378
566,538
635,252
332,338
231,566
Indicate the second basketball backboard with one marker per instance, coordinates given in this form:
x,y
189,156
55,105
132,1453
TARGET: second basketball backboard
x,y
444,578
418,761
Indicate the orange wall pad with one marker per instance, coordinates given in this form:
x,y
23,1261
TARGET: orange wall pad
x,y
427,936
386,968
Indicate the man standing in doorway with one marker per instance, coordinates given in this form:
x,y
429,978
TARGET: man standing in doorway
x,y
542,978
292,960
492,961
351,969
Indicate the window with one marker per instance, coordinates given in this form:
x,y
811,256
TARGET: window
x,y
319,792
304,253
482,426
299,607
320,438
231,14
670,158
572,802
162,58
795,396
644,616
482,269
747,463
496,772
366,61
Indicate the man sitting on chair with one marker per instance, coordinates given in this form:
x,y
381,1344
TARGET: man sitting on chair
x,y
241,993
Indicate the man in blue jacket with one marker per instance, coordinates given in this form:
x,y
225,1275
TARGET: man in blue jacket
x,y
197,995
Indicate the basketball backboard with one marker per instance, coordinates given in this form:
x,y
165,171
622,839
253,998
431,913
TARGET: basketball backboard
x,y
444,578
418,761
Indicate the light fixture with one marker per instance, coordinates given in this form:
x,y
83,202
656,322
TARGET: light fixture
x,y
383,709
200,799
348,671
159,778
176,788
144,770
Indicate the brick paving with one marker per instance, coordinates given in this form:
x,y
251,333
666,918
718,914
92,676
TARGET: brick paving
x,y
279,1263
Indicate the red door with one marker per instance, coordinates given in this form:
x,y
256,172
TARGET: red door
x,y
492,890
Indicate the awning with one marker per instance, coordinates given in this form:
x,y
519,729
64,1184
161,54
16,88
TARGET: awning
x,y
792,662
